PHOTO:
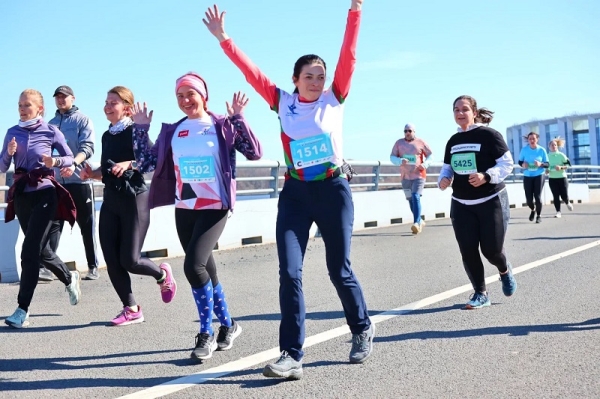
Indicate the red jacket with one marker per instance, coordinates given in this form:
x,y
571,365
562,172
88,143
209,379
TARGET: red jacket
x,y
66,207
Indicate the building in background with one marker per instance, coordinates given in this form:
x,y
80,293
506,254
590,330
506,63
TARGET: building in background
x,y
581,134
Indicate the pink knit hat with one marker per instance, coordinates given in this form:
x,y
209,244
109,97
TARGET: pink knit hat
x,y
193,80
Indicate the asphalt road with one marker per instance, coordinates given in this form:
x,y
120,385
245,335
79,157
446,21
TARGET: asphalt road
x,y
542,342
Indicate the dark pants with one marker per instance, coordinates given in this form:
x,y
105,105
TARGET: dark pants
x,y
123,225
84,202
481,226
327,203
533,190
560,189
199,231
35,211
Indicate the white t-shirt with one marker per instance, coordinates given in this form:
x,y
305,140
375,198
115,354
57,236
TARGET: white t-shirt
x,y
200,183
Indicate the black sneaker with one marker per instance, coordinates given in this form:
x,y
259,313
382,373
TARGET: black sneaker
x,y
92,274
227,335
531,216
285,367
205,346
362,345
45,275
539,219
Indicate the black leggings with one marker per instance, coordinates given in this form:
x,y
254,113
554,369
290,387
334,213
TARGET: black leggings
x,y
560,189
84,202
483,225
199,231
123,225
533,190
35,211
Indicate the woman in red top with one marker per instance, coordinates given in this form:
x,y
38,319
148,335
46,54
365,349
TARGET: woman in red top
x,y
316,189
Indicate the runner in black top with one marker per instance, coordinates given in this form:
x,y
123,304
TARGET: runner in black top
x,y
476,162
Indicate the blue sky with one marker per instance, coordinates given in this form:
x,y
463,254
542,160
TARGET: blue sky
x,y
523,59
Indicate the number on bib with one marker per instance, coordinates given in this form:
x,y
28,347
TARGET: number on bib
x,y
464,164
197,169
311,151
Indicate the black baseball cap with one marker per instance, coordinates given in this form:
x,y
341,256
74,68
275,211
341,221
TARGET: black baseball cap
x,y
66,90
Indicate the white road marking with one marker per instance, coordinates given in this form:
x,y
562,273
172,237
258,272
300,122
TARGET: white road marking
x,y
201,377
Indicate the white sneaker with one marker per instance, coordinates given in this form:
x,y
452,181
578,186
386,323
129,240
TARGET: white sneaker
x,y
74,289
415,228
421,225
558,215
570,207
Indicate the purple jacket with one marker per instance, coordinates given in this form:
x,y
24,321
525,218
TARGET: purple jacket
x,y
33,142
233,134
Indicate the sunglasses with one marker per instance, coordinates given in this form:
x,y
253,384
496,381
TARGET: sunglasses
x,y
408,131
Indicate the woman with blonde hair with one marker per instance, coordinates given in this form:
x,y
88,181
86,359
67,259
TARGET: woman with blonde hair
x,y
37,199
557,175
125,215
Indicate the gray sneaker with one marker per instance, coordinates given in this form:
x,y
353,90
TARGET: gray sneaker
x,y
362,345
45,275
205,346
285,367
74,289
227,335
92,274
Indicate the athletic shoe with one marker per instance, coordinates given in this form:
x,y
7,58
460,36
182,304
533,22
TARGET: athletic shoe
x,y
415,228
227,335
285,367
74,289
421,225
168,288
19,319
539,219
570,206
478,300
531,216
45,275
205,346
509,284
92,274
128,316
558,215
362,345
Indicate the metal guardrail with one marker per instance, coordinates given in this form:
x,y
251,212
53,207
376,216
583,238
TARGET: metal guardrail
x,y
372,176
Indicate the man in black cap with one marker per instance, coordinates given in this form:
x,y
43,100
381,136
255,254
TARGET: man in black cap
x,y
79,134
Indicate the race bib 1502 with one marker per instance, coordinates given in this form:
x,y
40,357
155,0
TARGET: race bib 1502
x,y
197,169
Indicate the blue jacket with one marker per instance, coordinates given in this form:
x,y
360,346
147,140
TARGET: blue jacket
x,y
79,134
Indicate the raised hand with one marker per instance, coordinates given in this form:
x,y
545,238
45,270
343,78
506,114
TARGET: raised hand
x,y
12,147
140,114
215,22
48,160
238,104
356,5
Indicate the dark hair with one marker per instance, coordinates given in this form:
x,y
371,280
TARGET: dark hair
x,y
307,59
484,115
526,138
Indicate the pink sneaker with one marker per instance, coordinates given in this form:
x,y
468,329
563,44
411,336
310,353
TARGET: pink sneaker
x,y
128,316
168,288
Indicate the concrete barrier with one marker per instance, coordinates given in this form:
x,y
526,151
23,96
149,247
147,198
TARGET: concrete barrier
x,y
253,222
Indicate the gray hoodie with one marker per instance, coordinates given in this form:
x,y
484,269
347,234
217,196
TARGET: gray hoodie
x,y
79,133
